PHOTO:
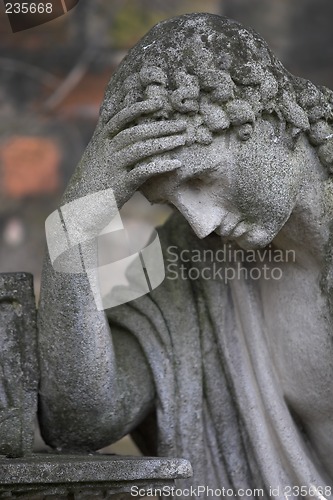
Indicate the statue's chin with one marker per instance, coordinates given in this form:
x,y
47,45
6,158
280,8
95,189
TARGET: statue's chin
x,y
254,239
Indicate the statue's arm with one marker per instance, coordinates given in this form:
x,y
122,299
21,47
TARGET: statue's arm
x,y
96,385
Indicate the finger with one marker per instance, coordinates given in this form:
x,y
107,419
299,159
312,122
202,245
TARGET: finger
x,y
147,131
127,115
143,172
155,167
142,150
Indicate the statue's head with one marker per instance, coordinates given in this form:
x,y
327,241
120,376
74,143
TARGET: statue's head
x,y
249,123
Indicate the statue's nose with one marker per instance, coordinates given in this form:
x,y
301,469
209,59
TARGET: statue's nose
x,y
203,220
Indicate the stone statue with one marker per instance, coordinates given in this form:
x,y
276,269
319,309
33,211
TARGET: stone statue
x,y
234,375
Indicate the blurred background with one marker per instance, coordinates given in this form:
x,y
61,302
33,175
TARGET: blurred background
x,y
52,81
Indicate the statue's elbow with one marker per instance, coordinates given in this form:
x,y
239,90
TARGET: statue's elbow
x,y
83,428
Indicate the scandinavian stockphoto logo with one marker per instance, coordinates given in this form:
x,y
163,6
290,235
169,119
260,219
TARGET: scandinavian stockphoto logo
x,y
24,14
121,263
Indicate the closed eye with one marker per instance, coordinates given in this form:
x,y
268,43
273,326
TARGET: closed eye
x,y
197,182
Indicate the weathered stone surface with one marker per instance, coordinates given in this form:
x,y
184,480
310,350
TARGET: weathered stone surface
x,y
79,476
233,369
18,364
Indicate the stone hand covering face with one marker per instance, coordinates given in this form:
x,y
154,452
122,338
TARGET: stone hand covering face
x,y
201,115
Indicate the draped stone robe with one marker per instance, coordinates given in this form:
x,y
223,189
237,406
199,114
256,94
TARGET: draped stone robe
x,y
218,398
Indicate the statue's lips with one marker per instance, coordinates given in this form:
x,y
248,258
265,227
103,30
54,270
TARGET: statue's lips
x,y
240,229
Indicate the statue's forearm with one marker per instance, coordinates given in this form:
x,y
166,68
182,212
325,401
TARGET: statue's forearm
x,y
82,383
76,351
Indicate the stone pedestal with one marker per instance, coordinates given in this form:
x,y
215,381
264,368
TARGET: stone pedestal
x,y
44,476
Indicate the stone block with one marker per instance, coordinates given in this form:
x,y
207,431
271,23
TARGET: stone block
x,y
18,364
